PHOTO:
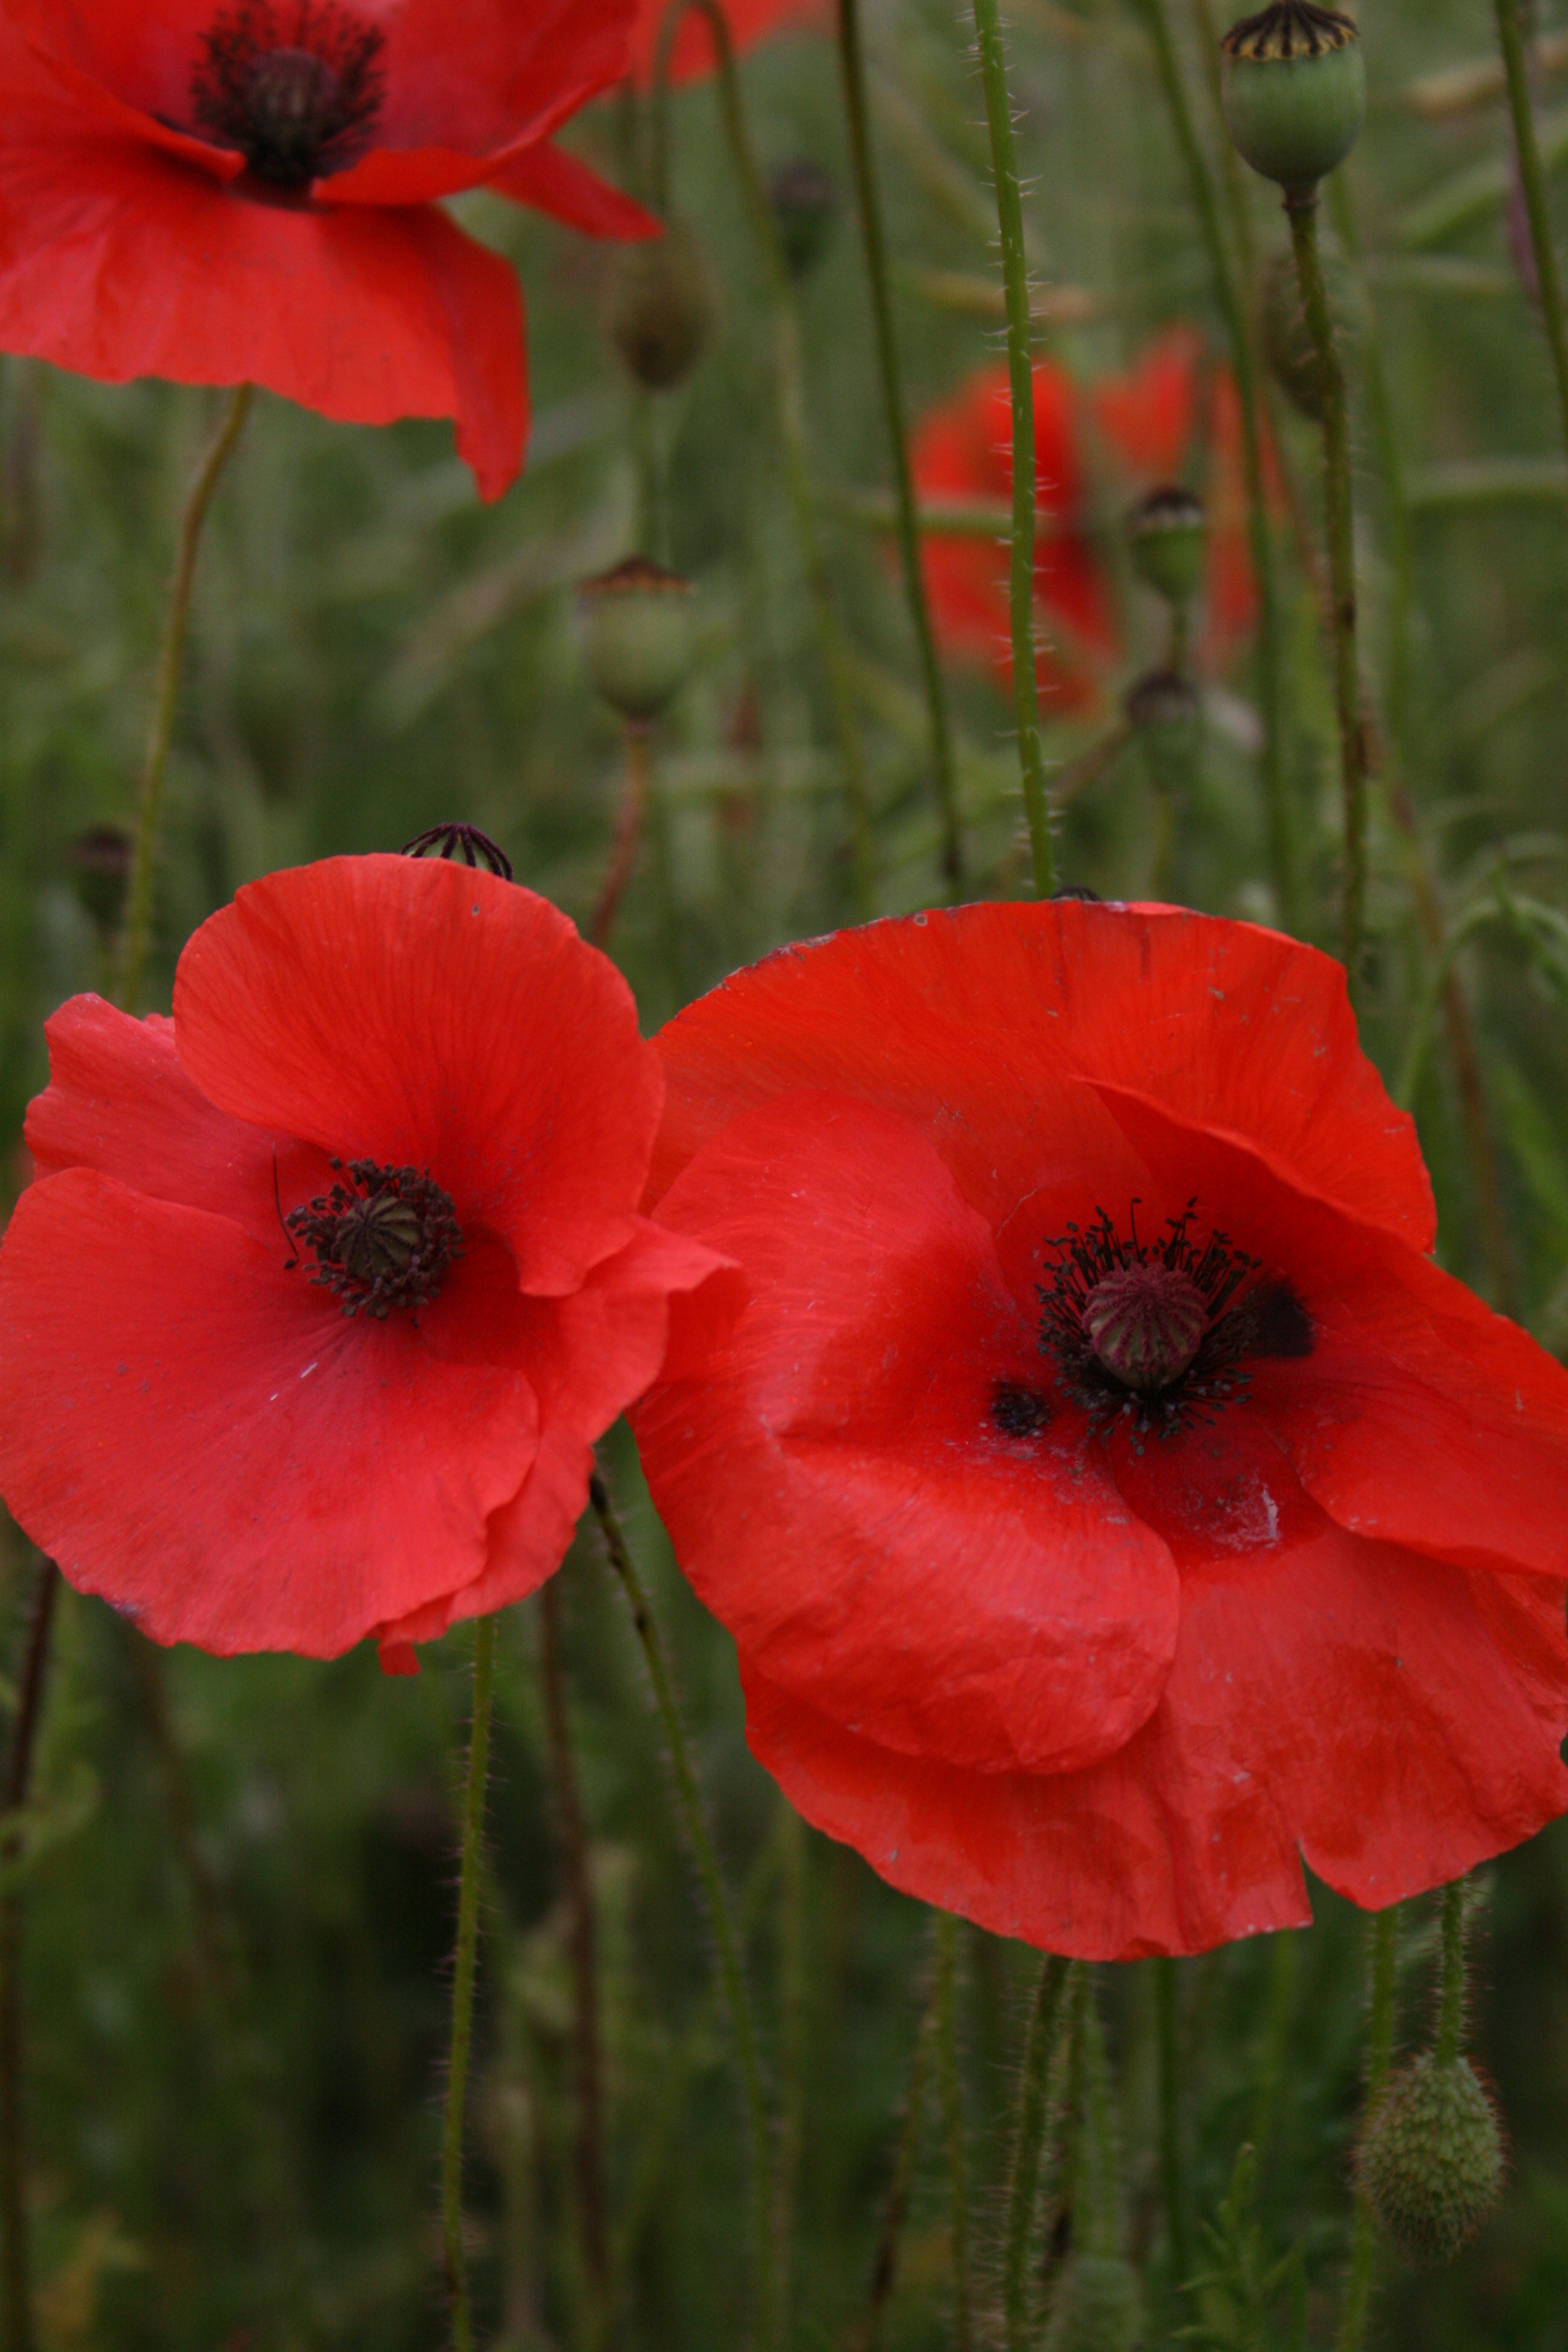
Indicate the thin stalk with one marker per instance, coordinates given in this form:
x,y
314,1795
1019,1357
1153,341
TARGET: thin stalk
x,y
1104,2198
1235,178
583,1944
16,2286
1046,2020
720,1915
1451,2010
166,694
1384,1938
463,1988
628,830
1173,2166
1283,859
1020,381
831,644
792,2049
852,64
1301,211
951,2091
1276,2045
1532,181
885,2263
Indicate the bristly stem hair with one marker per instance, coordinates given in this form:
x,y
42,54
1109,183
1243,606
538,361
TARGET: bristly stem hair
x,y
463,1967
1046,2019
1021,383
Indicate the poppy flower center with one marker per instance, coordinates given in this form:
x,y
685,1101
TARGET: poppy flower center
x,y
1145,1323
295,89
384,1239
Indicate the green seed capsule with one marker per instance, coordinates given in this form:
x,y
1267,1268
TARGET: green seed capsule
x,y
663,305
1431,2159
1096,2307
1166,532
1294,86
637,637
1164,714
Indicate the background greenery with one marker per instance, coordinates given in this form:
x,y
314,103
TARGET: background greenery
x,y
236,1941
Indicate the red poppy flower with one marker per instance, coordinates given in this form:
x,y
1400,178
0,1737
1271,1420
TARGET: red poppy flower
x,y
1111,1501
244,191
692,55
329,1284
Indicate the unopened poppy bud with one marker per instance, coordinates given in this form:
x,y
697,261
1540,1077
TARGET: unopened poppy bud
x,y
1166,532
663,305
1431,2159
1096,2307
638,635
1287,344
1164,714
805,209
99,865
1294,88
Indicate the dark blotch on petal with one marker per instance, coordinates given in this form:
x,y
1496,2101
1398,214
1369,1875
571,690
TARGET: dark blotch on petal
x,y
1018,1412
1281,1325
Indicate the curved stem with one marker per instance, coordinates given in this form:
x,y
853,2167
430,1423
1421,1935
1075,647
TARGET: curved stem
x,y
1046,2020
463,1988
1532,182
166,694
952,2093
852,64
1451,2012
720,1916
15,2281
1021,384
1284,865
629,831
831,644
1301,211
1379,2057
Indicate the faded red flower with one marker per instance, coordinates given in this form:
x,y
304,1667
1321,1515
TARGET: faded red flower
x,y
1112,1503
1149,423
245,191
327,1285
748,20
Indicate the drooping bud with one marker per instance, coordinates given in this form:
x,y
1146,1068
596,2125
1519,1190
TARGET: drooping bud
x,y
1165,716
663,305
1145,1323
805,207
1294,88
637,637
1166,531
1096,2307
1287,344
98,862
1431,2159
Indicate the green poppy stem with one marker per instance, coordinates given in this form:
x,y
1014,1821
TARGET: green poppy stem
x,y
1047,2019
953,2135
1451,2011
1172,2166
1021,384
1384,1938
1532,182
1301,211
720,1915
166,694
16,2265
852,64
463,1969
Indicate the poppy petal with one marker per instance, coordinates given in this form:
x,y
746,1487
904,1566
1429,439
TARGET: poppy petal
x,y
519,1080
553,181
879,1321
356,1505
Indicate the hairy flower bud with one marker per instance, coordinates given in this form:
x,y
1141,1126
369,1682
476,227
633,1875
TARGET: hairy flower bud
x,y
1294,87
1096,2307
805,210
663,305
1431,2159
638,635
1166,531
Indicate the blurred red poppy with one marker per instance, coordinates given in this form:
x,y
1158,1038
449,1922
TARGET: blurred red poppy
x,y
749,21
327,1285
1111,1501
244,191
1150,423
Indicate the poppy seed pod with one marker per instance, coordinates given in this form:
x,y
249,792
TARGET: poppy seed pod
x,y
1166,532
1431,2159
98,861
805,209
1097,2307
1294,87
663,307
637,637
1163,712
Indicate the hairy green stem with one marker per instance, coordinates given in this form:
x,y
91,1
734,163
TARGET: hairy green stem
x,y
468,1881
1283,856
629,822
1021,383
1301,211
1532,182
1451,2010
831,643
1173,2166
720,1915
852,64
1046,2020
951,2091
166,694
1384,1941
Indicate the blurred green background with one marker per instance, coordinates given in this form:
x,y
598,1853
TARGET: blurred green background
x,y
237,1931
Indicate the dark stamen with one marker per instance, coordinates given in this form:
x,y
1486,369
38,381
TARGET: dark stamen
x,y
383,1239
294,85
